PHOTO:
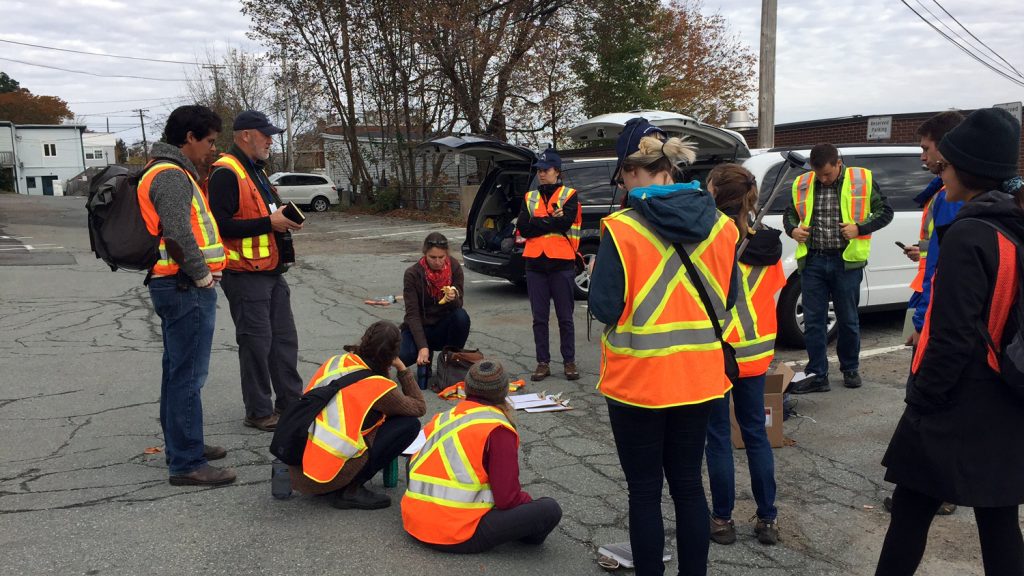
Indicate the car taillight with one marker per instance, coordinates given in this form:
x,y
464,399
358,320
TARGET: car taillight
x,y
519,239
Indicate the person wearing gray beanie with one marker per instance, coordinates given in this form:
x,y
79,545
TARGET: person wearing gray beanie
x,y
472,455
960,438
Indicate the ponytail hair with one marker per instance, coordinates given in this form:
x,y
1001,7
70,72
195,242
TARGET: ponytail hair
x,y
735,193
656,155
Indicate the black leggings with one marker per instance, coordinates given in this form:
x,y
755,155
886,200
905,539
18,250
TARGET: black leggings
x,y
1002,548
528,523
393,437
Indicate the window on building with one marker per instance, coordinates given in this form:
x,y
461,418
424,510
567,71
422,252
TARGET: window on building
x,y
31,181
89,155
49,150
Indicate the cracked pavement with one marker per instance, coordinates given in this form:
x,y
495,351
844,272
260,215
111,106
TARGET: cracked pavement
x,y
79,387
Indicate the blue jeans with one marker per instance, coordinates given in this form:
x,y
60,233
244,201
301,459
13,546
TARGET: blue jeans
x,y
825,276
748,396
186,321
452,330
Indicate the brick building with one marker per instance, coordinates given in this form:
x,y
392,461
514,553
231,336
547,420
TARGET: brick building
x,y
851,130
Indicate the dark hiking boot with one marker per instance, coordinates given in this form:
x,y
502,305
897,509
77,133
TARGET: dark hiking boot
x,y
213,452
542,371
808,385
205,475
723,531
266,424
571,373
851,379
359,498
767,531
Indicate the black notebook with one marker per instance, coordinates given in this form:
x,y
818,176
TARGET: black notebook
x,y
292,212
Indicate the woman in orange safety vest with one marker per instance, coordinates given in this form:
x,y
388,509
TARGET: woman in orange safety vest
x,y
366,426
662,360
464,494
750,329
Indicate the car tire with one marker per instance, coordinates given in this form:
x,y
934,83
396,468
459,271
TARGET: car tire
x,y
320,204
790,316
581,286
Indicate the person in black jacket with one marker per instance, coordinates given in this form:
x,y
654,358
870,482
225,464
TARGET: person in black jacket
x,y
961,436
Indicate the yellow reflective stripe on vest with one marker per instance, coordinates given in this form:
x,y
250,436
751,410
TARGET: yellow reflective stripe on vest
x,y
744,317
751,350
859,197
209,244
638,335
232,163
330,434
462,488
263,240
803,197
927,225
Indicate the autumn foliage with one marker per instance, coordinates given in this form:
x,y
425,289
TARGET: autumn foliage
x,y
23,107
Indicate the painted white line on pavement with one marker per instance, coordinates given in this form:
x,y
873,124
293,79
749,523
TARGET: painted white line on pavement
x,y
15,237
863,354
488,281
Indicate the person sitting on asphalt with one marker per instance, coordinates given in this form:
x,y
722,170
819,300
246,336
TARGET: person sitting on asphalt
x,y
434,316
374,421
751,329
464,494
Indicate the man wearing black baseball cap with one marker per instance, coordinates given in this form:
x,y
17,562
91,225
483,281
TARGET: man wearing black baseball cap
x,y
258,242
550,221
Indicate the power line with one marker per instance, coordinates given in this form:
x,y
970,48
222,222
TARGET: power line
x,y
976,38
1007,68
96,54
117,101
967,51
93,73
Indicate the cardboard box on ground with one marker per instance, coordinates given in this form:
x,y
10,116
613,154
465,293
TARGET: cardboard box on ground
x,y
774,387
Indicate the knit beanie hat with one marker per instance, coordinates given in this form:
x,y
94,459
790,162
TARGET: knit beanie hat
x,y
985,144
487,379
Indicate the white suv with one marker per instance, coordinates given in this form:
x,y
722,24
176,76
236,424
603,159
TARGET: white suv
x,y
900,176
313,190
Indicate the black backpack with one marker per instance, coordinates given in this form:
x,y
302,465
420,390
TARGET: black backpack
x,y
292,430
1011,356
117,232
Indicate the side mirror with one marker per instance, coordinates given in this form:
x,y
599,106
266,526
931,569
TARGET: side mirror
x,y
797,160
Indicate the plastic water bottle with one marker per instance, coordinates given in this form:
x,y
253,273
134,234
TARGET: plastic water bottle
x,y
280,480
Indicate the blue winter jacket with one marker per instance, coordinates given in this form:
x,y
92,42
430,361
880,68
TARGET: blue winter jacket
x,y
944,213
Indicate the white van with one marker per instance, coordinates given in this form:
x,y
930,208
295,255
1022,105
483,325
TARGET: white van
x,y
899,174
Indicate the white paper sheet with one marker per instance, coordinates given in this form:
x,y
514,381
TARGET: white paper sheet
x,y
554,408
521,401
418,443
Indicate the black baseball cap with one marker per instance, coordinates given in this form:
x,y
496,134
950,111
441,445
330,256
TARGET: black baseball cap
x,y
629,140
253,120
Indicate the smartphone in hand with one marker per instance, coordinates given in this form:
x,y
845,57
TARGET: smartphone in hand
x,y
901,245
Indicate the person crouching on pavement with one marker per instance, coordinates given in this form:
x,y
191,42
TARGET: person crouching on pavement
x,y
751,329
372,420
434,316
960,437
464,494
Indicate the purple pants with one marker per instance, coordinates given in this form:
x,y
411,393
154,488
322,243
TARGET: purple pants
x,y
544,287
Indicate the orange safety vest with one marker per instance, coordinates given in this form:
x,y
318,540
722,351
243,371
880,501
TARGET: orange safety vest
x,y
927,227
752,327
449,490
664,351
337,434
253,253
1003,296
553,244
204,227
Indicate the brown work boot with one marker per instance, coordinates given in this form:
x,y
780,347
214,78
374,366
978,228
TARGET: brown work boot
x,y
541,372
205,475
767,531
213,452
571,373
266,424
723,531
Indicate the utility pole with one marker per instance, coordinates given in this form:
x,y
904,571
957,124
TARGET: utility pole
x,y
217,101
766,85
108,125
289,151
142,121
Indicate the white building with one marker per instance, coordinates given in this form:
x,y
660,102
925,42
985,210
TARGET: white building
x,y
40,155
100,149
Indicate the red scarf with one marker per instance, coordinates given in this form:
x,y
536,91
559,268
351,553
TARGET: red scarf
x,y
437,279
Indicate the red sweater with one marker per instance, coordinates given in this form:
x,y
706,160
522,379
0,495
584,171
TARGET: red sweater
x,y
501,459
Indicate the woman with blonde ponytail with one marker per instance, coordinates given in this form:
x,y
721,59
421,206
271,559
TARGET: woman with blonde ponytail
x,y
662,359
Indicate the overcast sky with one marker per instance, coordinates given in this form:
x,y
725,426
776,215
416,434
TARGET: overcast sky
x,y
834,58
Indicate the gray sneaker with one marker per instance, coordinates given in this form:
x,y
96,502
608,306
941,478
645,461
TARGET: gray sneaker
x,y
767,531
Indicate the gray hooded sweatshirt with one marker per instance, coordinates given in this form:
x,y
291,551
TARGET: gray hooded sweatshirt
x,y
171,194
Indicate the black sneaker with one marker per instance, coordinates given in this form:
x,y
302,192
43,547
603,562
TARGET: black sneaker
x,y
851,379
808,385
767,531
360,499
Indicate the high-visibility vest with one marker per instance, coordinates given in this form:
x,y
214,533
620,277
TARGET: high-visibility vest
x,y
449,489
204,227
664,351
337,434
1004,295
553,244
253,253
752,326
927,228
854,205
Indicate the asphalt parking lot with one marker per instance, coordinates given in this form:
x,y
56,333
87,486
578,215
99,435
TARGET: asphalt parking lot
x,y
79,383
